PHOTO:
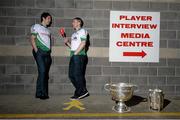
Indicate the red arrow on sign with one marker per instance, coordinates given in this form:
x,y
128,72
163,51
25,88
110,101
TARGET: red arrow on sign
x,y
135,54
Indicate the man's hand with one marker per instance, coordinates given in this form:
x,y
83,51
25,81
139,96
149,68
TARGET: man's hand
x,y
36,50
81,46
75,53
66,40
62,32
33,43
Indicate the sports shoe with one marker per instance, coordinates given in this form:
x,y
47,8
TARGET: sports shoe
x,y
44,97
84,95
74,98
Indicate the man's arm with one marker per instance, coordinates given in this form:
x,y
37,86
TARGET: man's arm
x,y
67,43
81,46
50,42
33,43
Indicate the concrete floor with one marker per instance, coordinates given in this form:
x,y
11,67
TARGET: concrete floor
x,y
96,106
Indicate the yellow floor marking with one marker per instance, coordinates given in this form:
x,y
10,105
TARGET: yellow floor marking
x,y
80,115
74,103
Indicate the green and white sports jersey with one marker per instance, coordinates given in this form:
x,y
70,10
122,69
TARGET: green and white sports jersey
x,y
76,38
42,34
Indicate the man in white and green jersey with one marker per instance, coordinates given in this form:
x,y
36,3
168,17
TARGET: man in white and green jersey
x,y
76,39
79,59
41,45
42,35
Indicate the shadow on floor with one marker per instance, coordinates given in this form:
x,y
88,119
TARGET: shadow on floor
x,y
135,100
166,103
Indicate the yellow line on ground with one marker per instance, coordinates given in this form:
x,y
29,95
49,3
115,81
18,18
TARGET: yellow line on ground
x,y
71,115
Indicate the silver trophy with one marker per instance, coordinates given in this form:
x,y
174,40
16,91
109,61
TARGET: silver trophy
x,y
120,93
155,99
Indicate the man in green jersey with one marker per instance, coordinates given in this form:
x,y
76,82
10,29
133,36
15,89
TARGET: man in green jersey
x,y
41,45
79,59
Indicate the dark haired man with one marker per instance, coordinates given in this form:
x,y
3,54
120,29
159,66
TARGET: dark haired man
x,y
78,60
41,45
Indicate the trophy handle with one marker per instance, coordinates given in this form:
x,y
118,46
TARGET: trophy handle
x,y
107,87
135,87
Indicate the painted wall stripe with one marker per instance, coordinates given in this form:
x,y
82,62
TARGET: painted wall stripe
x,y
63,51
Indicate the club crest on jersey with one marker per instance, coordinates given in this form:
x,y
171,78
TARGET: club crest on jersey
x,y
75,38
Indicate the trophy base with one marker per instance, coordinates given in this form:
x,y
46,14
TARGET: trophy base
x,y
121,107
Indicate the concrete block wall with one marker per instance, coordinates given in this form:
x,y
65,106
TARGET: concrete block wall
x,y
18,73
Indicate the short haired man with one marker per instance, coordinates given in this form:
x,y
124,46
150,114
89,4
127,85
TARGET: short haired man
x,y
41,45
79,59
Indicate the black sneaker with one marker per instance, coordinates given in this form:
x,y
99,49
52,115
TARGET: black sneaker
x,y
84,95
74,98
44,97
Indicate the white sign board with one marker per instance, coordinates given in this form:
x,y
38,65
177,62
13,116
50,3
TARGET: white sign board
x,y
134,36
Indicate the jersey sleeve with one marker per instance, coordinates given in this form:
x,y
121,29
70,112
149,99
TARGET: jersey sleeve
x,y
34,30
83,35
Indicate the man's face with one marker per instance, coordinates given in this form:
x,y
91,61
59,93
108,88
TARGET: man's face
x,y
75,24
47,20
